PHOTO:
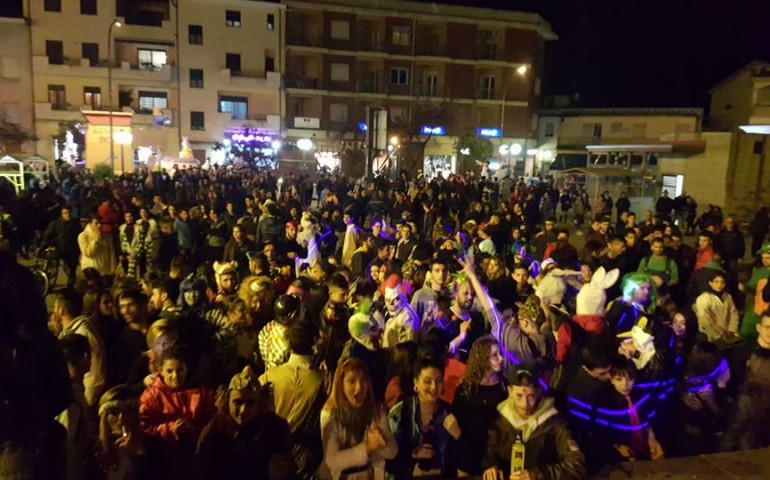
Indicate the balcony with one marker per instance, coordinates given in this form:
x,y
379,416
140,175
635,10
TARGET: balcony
x,y
305,83
369,87
246,79
426,90
125,71
310,123
430,50
488,94
368,44
487,52
165,117
305,40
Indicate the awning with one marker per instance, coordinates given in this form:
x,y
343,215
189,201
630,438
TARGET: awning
x,y
676,146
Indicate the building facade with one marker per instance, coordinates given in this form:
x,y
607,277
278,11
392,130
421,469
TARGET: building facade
x,y
16,86
576,137
220,77
230,53
740,109
435,69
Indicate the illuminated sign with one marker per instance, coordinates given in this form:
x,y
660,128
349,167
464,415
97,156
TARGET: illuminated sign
x,y
435,131
489,132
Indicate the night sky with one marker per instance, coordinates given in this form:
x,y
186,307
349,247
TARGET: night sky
x,y
653,53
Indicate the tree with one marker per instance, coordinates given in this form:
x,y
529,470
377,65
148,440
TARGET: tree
x,y
12,136
471,149
413,142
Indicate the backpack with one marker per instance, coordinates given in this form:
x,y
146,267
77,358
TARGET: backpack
x,y
665,275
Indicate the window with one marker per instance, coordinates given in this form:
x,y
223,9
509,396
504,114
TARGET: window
x,y
269,60
232,19
57,97
54,50
340,72
92,97
233,62
197,121
402,36
488,86
550,129
237,107
399,76
270,21
151,100
196,78
340,30
52,5
195,34
338,112
91,52
88,7
759,145
597,130
430,84
152,59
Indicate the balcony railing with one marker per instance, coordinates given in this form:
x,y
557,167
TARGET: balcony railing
x,y
487,52
305,83
369,44
425,90
305,40
369,87
430,50
489,94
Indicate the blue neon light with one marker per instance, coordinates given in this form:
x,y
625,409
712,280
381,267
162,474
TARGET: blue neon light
x,y
489,132
429,130
362,127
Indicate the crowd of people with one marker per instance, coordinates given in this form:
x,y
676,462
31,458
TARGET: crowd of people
x,y
228,323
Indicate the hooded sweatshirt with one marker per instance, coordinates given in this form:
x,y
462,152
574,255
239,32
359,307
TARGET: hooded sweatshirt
x,y
551,453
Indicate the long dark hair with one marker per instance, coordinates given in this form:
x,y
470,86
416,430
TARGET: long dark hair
x,y
478,364
401,364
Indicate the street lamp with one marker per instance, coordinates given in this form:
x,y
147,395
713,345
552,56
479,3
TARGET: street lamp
x,y
304,144
123,138
115,23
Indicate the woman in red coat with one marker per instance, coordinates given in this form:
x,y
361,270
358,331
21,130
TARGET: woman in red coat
x,y
172,414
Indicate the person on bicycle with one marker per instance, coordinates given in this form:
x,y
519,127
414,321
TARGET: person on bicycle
x,y
62,236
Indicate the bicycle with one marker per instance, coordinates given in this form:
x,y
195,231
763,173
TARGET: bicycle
x,y
45,270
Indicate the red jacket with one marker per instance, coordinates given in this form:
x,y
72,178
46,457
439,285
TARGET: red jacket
x,y
161,406
109,216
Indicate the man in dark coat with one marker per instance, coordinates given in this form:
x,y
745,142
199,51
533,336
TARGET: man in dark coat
x,y
62,235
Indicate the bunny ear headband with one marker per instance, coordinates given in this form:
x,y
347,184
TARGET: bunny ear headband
x,y
604,279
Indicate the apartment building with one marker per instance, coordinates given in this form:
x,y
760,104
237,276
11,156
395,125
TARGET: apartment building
x,y
437,69
222,74
230,51
16,82
741,99
102,62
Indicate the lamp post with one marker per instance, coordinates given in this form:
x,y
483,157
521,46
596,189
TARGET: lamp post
x,y
305,145
123,138
115,23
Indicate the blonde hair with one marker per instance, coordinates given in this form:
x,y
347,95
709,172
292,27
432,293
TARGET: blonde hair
x,y
119,397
